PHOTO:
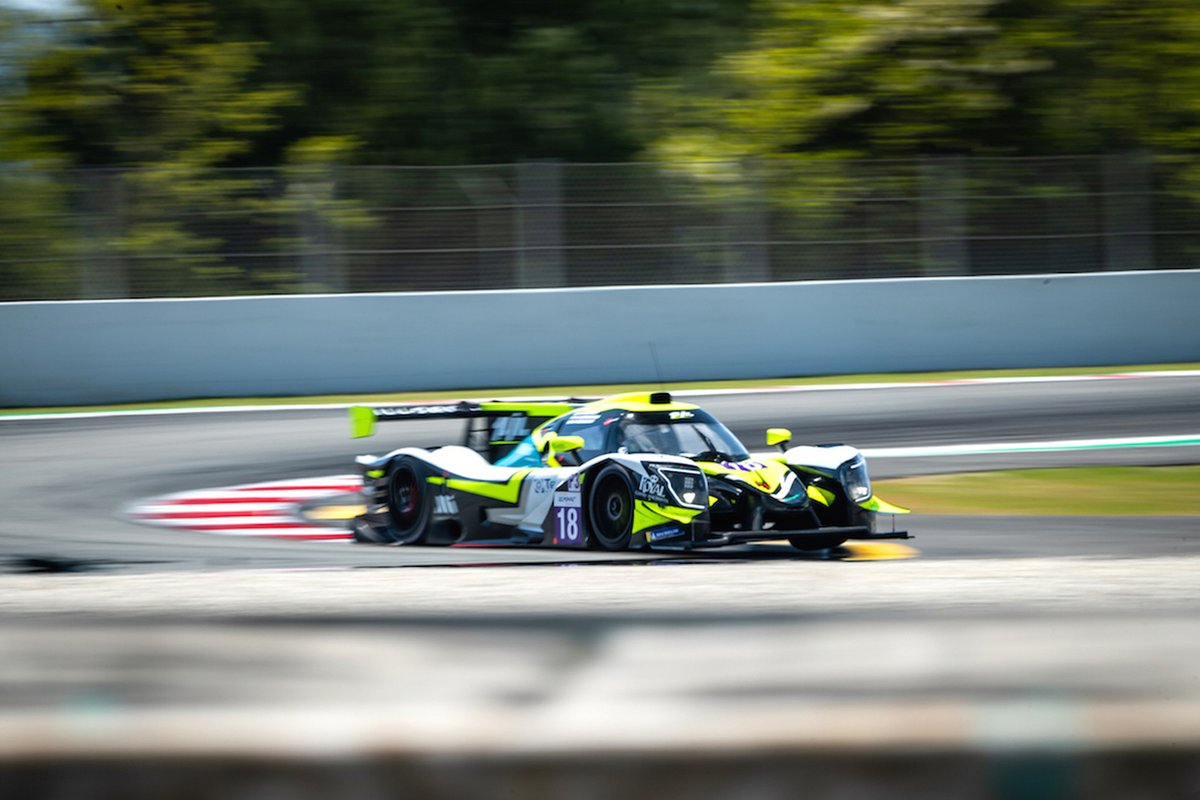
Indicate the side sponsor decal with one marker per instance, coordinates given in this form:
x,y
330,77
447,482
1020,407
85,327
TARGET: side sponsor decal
x,y
444,505
650,487
509,429
415,410
742,466
544,485
662,534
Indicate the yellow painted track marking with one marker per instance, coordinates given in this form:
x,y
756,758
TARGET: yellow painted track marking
x,y
878,551
335,512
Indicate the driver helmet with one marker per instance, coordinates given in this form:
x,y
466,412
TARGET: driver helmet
x,y
651,439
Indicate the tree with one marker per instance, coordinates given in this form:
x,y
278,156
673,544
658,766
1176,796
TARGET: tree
x,y
421,82
36,260
824,84
889,78
148,97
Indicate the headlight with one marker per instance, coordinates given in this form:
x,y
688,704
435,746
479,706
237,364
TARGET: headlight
x,y
687,486
853,475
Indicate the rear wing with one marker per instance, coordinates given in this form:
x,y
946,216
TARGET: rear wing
x,y
494,428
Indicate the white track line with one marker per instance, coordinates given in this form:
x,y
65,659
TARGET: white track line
x,y
781,389
1052,446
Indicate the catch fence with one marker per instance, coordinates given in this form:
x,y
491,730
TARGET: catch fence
x,y
101,233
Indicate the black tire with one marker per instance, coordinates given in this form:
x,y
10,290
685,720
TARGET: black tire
x,y
408,502
813,544
835,515
610,509
369,534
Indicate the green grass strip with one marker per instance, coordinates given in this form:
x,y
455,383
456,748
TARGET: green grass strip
x,y
604,389
1087,491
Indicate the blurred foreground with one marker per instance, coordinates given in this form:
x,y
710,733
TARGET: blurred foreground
x,y
968,678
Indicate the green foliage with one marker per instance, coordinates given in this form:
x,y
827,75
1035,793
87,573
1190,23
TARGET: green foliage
x,y
149,88
823,84
146,83
898,78
156,98
309,204
773,99
479,81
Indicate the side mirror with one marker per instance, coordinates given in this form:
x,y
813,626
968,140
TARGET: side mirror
x,y
565,444
561,446
778,436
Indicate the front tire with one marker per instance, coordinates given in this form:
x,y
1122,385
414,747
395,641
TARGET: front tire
x,y
610,509
814,544
839,513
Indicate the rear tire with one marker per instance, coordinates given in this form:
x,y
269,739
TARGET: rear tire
x,y
408,502
364,533
610,509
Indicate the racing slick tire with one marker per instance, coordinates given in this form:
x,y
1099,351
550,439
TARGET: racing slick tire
x,y
409,501
813,544
610,509
368,534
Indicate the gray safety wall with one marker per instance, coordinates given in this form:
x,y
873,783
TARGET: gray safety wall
x,y
133,350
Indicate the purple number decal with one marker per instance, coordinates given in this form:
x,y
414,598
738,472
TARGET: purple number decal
x,y
568,527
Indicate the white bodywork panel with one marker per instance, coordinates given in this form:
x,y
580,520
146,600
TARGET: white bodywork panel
x,y
825,459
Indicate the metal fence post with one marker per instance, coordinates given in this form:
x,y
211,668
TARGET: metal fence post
x,y
492,202
322,252
747,259
102,269
943,216
1128,220
539,225
338,269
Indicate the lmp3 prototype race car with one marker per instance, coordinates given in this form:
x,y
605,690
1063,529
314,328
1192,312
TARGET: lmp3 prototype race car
x,y
640,471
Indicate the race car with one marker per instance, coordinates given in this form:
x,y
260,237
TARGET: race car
x,y
639,470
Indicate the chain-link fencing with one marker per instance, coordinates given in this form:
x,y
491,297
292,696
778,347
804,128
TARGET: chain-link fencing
x,y
96,233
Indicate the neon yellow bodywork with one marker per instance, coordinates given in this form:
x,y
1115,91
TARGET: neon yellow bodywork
x,y
532,409
362,422
768,478
507,492
628,402
637,402
883,507
822,496
778,436
648,515
566,444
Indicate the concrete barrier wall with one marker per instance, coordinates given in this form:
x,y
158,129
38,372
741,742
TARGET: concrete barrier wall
x,y
134,350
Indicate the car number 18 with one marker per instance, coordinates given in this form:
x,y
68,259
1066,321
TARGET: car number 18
x,y
568,519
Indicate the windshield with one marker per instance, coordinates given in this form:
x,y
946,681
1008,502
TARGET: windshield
x,y
681,433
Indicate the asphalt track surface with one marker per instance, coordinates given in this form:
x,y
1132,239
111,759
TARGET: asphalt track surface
x,y
1073,638
64,483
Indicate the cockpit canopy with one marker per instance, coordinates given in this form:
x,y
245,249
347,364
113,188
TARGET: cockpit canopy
x,y
690,432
